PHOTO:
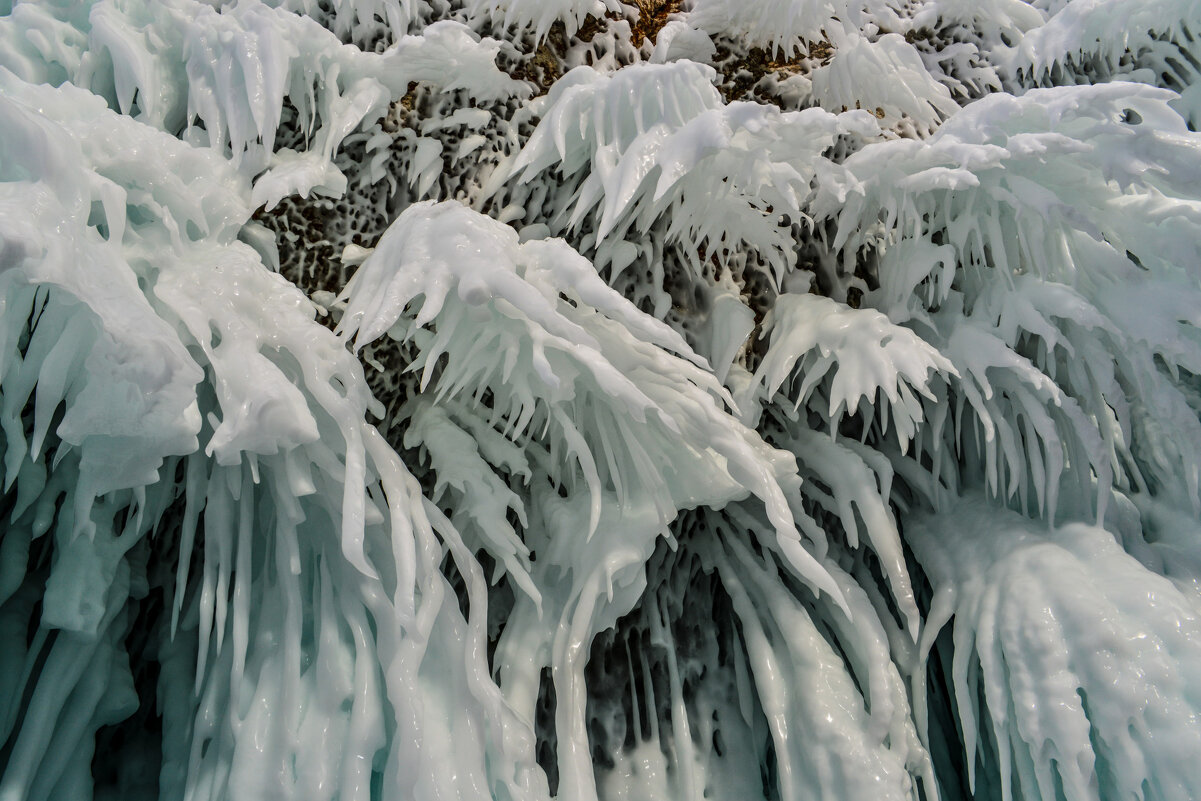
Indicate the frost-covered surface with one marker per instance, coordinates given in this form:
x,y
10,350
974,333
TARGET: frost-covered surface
x,y
426,399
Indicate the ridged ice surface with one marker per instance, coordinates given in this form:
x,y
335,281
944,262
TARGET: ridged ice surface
x,y
414,400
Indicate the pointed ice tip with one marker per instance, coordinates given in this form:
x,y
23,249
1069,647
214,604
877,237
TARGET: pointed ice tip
x,y
358,560
354,255
594,513
913,626
839,599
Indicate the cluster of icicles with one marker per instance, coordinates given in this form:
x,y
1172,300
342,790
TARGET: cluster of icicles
x,y
918,518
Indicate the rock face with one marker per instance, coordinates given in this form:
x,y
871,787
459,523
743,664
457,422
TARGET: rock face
x,y
411,400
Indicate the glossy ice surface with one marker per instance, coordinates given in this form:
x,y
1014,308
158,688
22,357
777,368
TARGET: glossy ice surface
x,y
514,399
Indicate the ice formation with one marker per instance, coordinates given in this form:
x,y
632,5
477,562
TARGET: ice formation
x,y
412,400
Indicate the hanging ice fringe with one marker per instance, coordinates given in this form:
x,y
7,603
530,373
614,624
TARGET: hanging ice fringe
x,y
411,400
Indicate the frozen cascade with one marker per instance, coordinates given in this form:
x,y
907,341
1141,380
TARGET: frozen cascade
x,y
414,400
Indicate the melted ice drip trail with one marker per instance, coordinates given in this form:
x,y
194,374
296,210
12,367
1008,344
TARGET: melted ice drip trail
x,y
222,77
319,600
571,355
1075,660
565,353
764,481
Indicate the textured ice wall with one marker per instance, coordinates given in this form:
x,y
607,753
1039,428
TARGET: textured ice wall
x,y
412,399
